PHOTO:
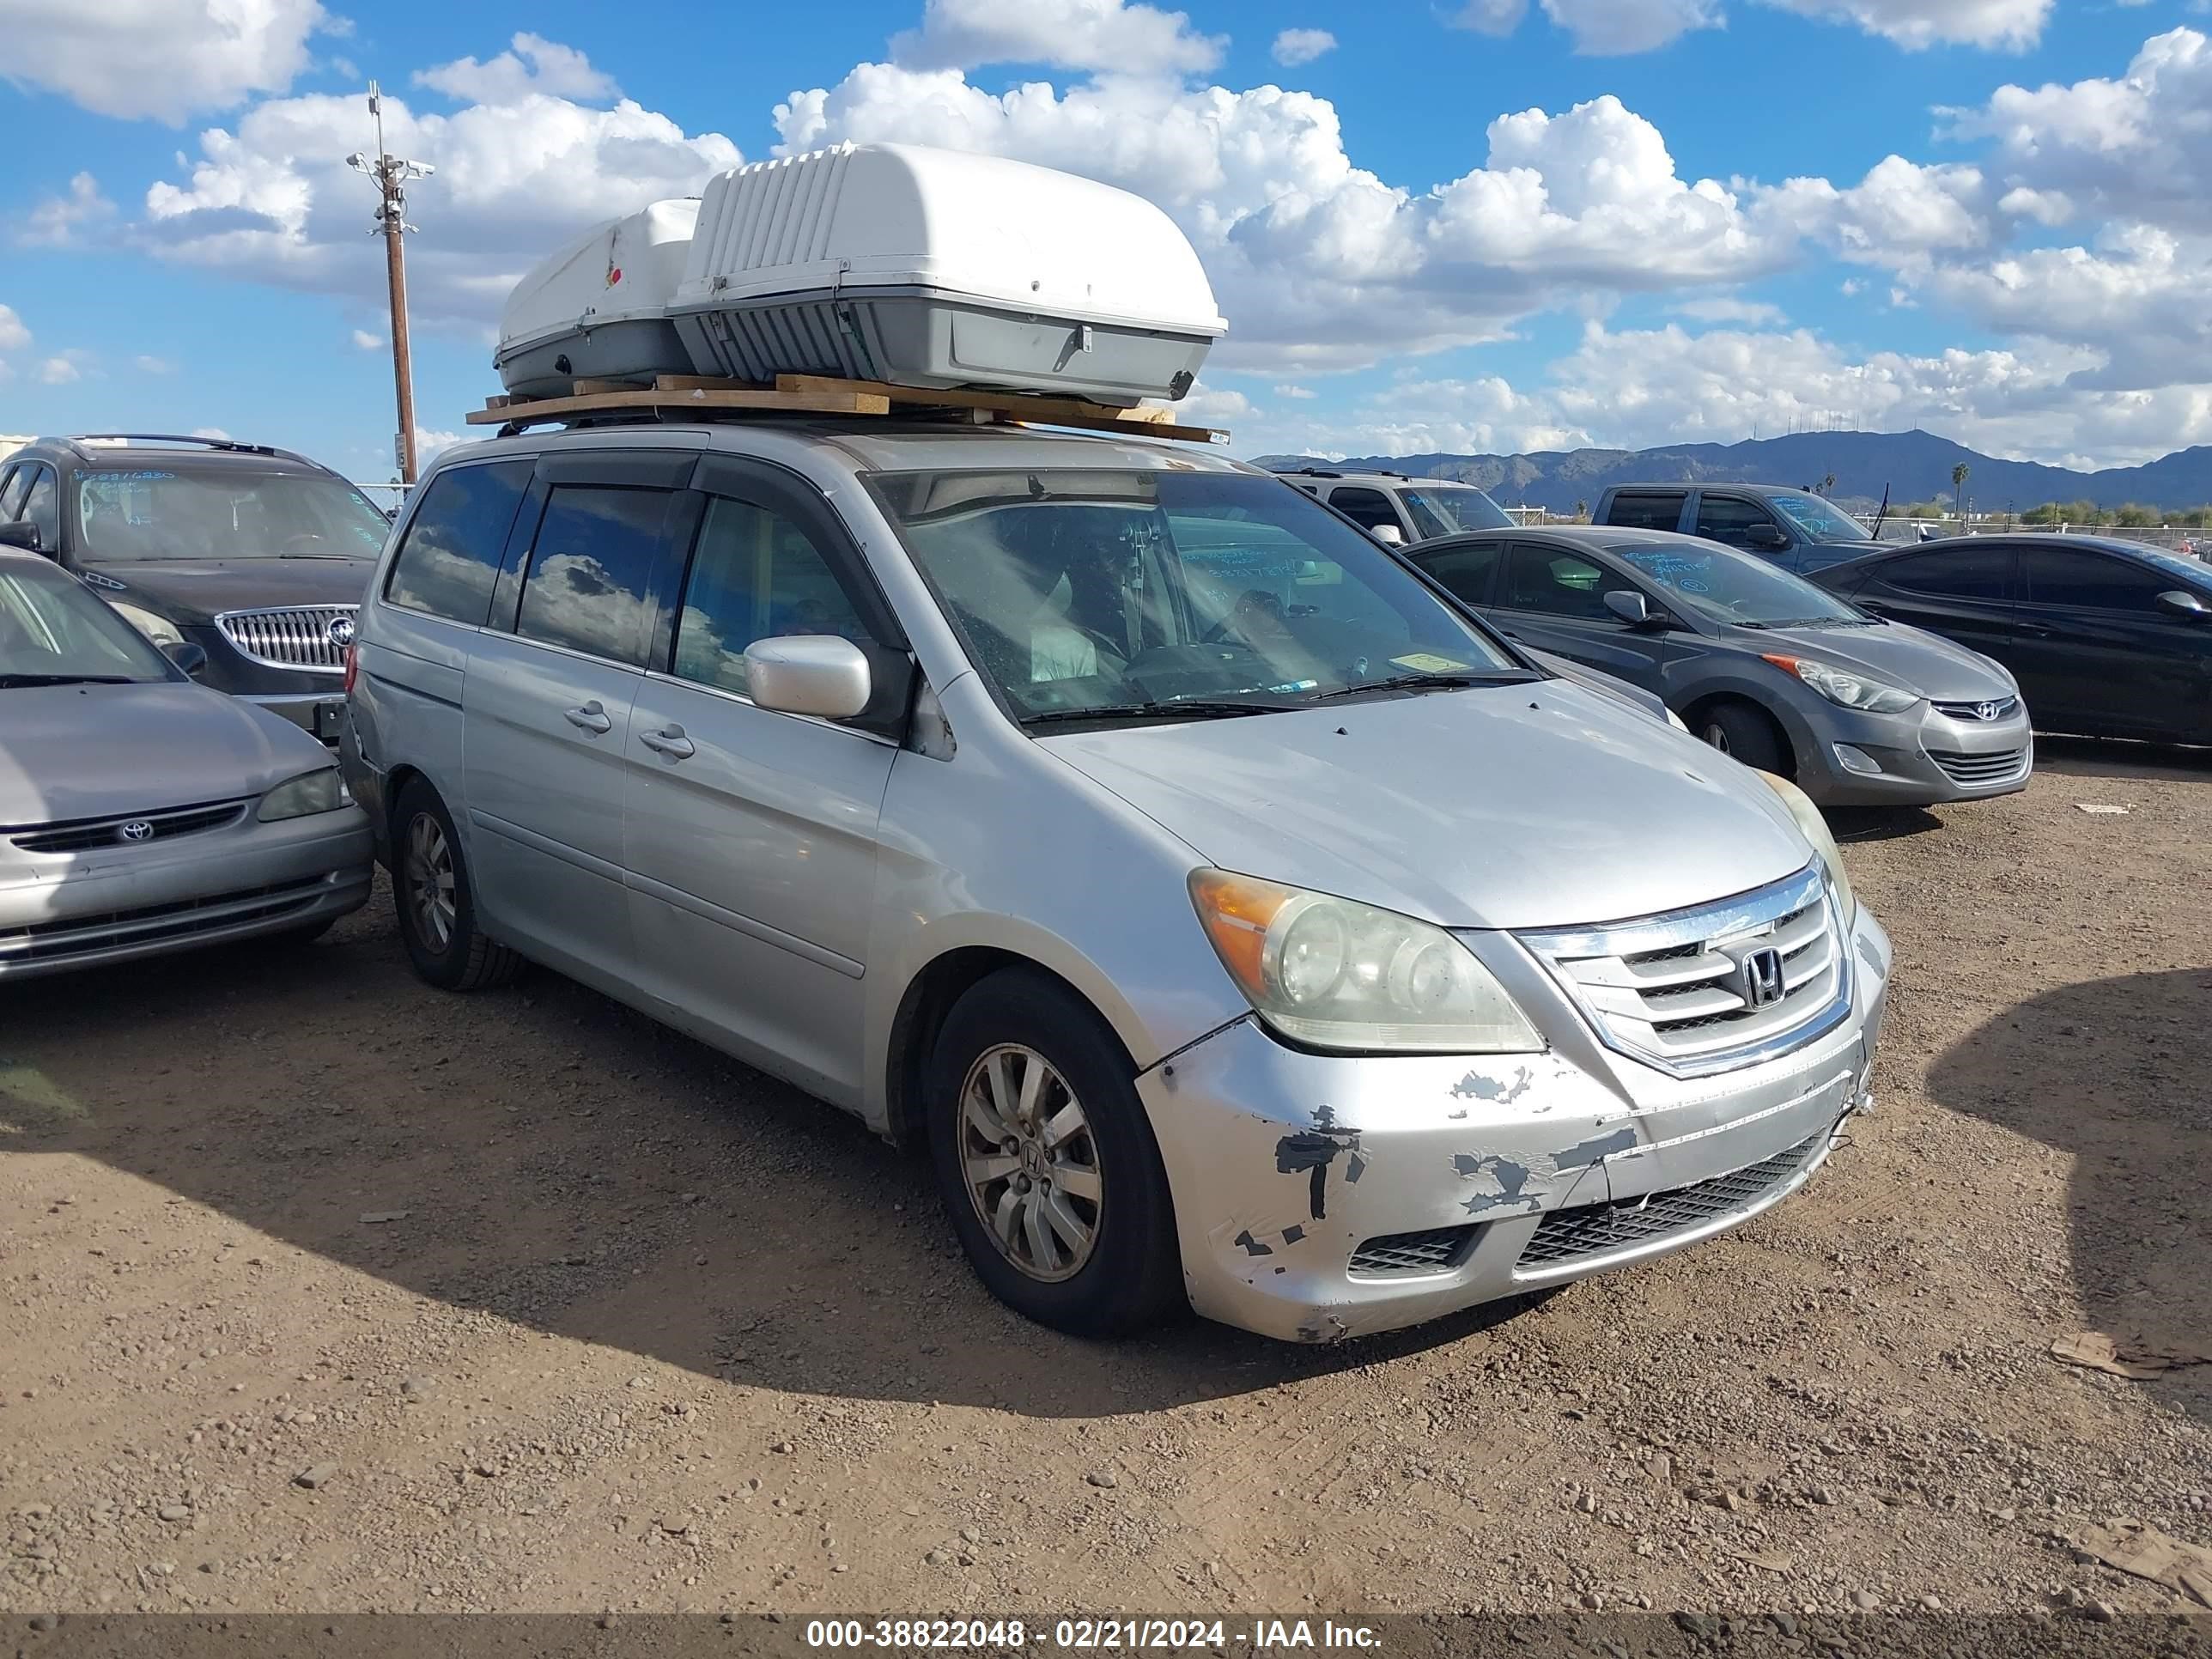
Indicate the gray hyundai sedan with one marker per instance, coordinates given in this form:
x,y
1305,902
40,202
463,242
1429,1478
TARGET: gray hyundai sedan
x,y
141,813
1760,664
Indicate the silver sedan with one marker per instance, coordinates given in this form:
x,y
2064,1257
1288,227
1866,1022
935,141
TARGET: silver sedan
x,y
141,813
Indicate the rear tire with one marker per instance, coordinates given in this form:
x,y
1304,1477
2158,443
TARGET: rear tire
x,y
1749,734
1074,1227
437,910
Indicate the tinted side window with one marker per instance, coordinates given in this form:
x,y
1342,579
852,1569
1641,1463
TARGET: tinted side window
x,y
1468,572
1966,572
450,559
1555,582
1725,518
9,477
42,507
2060,576
591,569
1655,511
756,575
1368,507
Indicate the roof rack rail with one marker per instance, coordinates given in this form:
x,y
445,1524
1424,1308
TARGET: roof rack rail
x,y
1340,472
228,446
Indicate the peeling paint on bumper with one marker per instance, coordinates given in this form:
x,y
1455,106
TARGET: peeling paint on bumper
x,y
1283,1163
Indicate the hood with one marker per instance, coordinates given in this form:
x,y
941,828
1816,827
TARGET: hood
x,y
1534,805
192,591
1910,659
89,751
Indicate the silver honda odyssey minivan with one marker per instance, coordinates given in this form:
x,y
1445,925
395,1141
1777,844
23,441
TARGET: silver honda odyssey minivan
x,y
1236,924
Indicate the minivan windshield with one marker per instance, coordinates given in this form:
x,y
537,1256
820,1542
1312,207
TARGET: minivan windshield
x,y
1118,595
54,631
178,510
1817,520
1735,587
1447,509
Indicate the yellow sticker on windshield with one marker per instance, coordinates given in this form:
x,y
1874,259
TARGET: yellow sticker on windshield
x,y
1424,662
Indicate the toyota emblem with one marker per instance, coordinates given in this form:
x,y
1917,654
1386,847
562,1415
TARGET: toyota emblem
x,y
136,830
340,632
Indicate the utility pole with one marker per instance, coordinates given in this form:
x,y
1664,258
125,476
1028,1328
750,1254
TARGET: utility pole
x,y
390,174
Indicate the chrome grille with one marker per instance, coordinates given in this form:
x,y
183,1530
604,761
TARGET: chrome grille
x,y
2000,709
79,835
1680,991
1594,1229
2000,767
295,636
1429,1252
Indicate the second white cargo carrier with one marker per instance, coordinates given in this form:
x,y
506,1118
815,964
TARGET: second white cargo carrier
x,y
902,264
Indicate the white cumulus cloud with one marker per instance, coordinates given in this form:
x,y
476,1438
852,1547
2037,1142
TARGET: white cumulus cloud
x,y
364,341
14,336
58,220
1296,46
160,58
1109,36
532,64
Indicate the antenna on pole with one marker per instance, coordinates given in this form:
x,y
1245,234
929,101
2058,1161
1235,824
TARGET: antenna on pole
x,y
390,174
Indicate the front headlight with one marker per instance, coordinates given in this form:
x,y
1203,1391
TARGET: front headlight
x,y
322,791
1814,829
159,629
1840,685
1677,722
1334,973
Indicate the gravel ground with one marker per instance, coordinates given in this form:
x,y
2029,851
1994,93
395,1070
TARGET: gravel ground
x,y
326,1293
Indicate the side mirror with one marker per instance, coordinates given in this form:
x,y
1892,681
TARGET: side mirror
x,y
2184,602
1388,534
191,658
1765,535
809,674
1629,605
20,533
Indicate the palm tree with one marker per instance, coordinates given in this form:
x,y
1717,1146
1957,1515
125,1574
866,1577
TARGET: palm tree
x,y
1582,512
1958,487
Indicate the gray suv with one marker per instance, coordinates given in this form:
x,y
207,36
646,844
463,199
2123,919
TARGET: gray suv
x,y
1237,924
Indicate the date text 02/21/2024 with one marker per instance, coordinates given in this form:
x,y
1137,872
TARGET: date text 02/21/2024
x,y
1106,1635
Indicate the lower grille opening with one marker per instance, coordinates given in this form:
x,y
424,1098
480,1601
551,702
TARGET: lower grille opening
x,y
1980,768
44,941
1435,1251
1593,1229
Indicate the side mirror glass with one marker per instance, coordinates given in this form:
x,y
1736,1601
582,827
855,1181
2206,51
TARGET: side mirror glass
x,y
191,658
1388,534
816,674
1629,605
20,533
2186,603
1765,535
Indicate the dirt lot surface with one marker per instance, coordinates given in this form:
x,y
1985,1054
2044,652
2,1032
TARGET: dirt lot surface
x,y
324,1290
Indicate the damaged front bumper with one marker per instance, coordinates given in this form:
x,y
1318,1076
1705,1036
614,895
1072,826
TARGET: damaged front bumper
x,y
1321,1196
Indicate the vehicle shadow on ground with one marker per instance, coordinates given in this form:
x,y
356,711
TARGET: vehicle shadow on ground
x,y
2091,757
1856,824
2140,1210
547,1156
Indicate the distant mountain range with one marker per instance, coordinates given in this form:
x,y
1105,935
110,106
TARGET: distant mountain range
x,y
1914,466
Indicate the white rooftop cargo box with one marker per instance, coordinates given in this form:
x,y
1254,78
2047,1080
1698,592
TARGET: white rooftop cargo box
x,y
896,263
599,307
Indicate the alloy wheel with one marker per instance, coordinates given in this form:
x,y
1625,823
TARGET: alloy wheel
x,y
429,865
1030,1162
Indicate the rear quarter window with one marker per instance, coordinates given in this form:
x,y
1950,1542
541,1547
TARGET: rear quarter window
x,y
449,561
1645,510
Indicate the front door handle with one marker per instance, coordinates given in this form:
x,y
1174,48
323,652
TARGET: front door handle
x,y
671,743
2037,631
592,717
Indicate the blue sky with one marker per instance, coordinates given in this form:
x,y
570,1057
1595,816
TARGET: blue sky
x,y
1466,226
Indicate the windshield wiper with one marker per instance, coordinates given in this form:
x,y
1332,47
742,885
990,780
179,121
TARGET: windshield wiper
x,y
1196,707
16,681
1432,682
1820,622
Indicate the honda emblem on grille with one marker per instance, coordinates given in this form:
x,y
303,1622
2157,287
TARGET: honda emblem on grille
x,y
136,830
1762,978
340,634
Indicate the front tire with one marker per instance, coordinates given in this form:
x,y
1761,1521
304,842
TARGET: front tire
x,y
1046,1162
1748,734
437,910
